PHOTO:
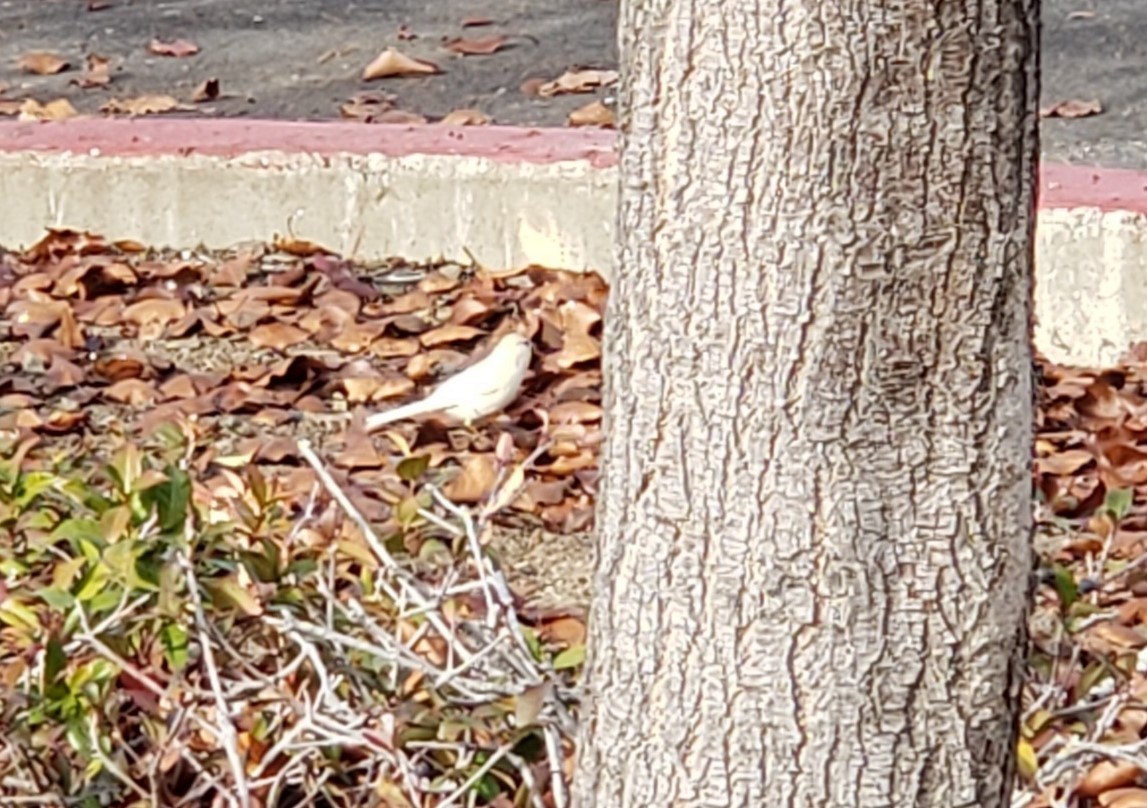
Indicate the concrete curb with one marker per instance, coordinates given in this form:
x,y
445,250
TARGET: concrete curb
x,y
508,196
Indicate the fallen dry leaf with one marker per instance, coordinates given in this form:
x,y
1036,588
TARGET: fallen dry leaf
x,y
147,312
400,116
42,63
293,245
449,333
358,454
177,48
97,72
278,336
1105,776
143,105
206,90
1072,108
578,81
57,110
532,86
476,480
367,106
466,117
393,63
594,113
133,392
483,46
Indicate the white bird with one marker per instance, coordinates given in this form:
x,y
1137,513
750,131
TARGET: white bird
x,y
482,389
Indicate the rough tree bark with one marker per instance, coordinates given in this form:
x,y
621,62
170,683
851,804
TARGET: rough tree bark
x,y
815,509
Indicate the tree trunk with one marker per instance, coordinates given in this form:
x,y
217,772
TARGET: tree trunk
x,y
816,505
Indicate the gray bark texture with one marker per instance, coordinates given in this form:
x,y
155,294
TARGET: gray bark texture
x,y
815,514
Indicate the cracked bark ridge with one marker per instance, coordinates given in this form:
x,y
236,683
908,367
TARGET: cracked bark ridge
x,y
815,511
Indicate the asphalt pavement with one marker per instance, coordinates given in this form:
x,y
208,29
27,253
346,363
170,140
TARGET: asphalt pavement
x,y
303,59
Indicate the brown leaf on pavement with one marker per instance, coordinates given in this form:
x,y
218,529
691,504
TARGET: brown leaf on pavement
x,y
532,86
481,46
42,63
1072,108
143,105
367,106
206,90
177,48
402,117
465,117
57,110
578,81
594,113
393,63
97,72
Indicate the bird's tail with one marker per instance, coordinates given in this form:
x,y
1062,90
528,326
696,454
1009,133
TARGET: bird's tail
x,y
380,419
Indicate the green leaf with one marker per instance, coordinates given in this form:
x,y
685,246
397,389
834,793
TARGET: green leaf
x,y
77,529
32,485
1092,675
228,592
115,524
170,591
570,658
264,566
411,469
531,638
175,646
487,788
64,573
1064,583
126,468
94,582
302,568
120,559
258,485
55,660
17,614
105,600
77,736
59,599
171,500
435,551
1118,502
407,511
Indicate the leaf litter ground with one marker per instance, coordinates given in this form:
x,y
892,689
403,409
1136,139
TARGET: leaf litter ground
x,y
240,361
236,384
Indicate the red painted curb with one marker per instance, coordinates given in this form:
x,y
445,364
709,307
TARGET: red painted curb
x,y
1061,186
230,138
1112,189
